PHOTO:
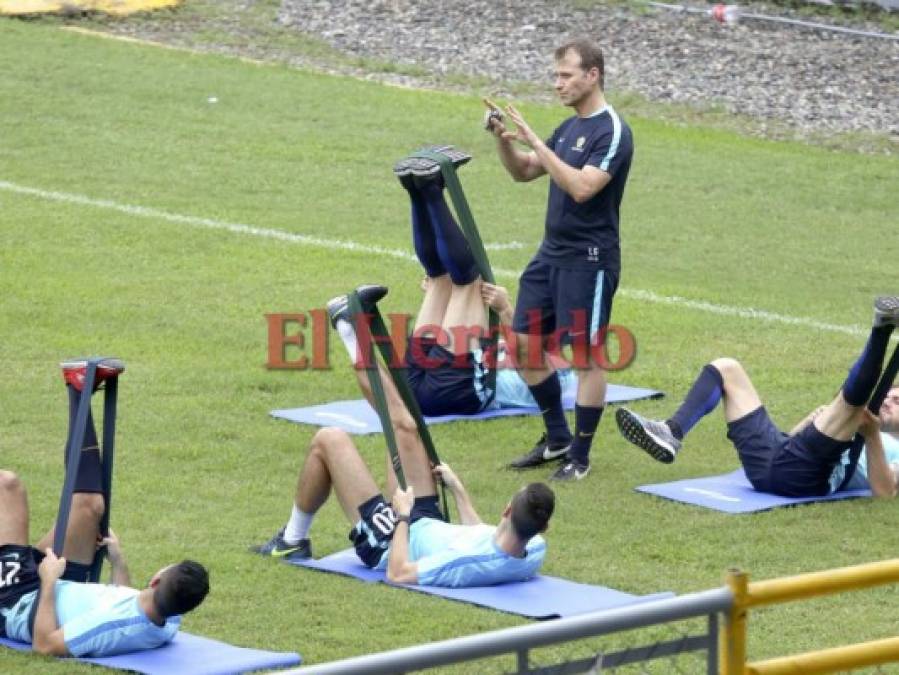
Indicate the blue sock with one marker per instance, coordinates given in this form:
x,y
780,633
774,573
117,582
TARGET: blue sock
x,y
548,395
423,238
586,419
863,375
701,400
452,246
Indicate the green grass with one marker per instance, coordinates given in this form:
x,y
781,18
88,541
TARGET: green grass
x,y
203,472
252,29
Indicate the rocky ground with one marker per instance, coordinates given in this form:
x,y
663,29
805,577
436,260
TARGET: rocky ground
x,y
813,82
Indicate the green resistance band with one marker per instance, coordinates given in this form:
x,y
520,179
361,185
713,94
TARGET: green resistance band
x,y
470,230
379,330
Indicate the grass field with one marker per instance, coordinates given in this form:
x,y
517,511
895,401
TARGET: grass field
x,y
92,129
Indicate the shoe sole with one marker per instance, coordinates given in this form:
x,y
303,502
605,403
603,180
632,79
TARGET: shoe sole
x,y
886,310
634,432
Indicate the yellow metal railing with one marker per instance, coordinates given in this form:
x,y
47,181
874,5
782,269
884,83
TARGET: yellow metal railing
x,y
757,594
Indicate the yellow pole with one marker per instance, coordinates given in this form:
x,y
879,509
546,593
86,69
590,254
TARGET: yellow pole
x,y
833,660
733,637
822,583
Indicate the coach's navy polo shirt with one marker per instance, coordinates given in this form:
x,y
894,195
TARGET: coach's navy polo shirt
x,y
586,235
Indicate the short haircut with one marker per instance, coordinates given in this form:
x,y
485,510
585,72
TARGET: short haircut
x,y
181,588
590,53
532,507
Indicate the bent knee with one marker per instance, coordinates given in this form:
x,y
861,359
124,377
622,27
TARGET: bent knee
x,y
404,424
89,503
728,366
10,482
328,437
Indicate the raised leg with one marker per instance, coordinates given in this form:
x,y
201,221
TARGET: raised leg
x,y
13,510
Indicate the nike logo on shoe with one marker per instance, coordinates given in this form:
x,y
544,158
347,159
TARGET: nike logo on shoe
x,y
549,453
280,553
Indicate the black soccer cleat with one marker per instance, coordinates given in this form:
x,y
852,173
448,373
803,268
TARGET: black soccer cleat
x,y
541,453
422,166
571,471
886,311
369,295
277,547
650,435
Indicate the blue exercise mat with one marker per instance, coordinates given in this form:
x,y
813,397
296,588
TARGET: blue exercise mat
x,y
542,597
189,655
358,417
732,493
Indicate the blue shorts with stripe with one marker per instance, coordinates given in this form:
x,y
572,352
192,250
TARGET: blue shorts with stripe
x,y
775,462
567,302
371,536
445,384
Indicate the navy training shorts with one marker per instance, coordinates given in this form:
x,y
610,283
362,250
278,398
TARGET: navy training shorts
x,y
443,383
573,302
372,534
777,463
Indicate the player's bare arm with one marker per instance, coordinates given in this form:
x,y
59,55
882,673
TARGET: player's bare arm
x,y
880,475
401,570
467,513
48,637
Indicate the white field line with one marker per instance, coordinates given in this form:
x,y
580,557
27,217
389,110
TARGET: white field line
x,y
346,245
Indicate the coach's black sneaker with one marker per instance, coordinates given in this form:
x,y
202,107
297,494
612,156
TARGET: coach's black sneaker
x,y
886,311
369,295
541,453
571,470
276,547
653,436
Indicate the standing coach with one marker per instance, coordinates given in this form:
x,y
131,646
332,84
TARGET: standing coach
x,y
568,286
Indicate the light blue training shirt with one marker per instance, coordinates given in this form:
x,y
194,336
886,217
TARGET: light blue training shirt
x,y
513,392
466,555
859,480
96,620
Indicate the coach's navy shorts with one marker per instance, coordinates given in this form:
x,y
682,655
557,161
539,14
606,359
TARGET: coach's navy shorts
x,y
444,384
791,466
572,301
372,534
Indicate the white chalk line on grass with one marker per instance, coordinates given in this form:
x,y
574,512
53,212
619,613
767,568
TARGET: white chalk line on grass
x,y
346,245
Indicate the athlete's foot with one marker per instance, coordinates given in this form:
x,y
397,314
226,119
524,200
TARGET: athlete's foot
x,y
74,371
423,166
886,311
278,547
338,308
653,436
544,451
571,470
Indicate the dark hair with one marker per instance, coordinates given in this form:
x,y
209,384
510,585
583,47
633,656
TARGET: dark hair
x,y
590,53
181,588
532,507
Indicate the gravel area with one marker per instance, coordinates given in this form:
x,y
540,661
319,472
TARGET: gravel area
x,y
816,82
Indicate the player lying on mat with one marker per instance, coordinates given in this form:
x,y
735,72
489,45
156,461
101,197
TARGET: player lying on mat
x,y
811,459
452,377
408,537
45,601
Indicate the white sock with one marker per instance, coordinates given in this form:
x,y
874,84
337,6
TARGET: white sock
x,y
348,337
298,526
